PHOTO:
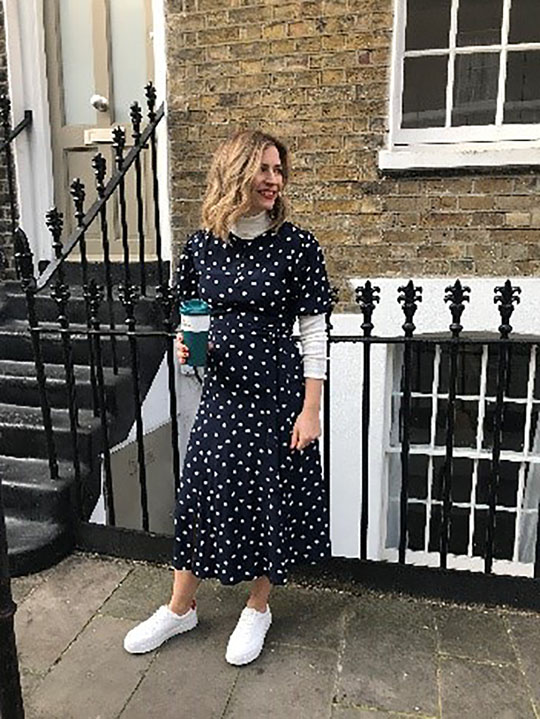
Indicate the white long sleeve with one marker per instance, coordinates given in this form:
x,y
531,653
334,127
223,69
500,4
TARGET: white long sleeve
x,y
313,339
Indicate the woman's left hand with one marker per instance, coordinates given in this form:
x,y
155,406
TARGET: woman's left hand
x,y
306,428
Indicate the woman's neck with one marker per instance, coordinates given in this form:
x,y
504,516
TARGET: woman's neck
x,y
248,227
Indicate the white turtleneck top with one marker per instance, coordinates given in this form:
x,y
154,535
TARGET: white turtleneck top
x,y
312,327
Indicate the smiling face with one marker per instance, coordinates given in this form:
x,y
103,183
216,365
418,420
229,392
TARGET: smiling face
x,y
268,181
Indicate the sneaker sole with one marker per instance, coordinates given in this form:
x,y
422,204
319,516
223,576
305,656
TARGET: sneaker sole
x,y
154,645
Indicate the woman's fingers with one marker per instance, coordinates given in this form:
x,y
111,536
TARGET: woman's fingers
x,y
182,351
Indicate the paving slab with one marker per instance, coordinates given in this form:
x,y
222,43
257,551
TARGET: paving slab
x,y
389,660
361,713
282,681
141,592
471,689
94,678
59,608
21,587
474,633
525,631
188,678
308,618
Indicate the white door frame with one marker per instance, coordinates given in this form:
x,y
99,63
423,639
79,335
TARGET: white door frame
x,y
25,46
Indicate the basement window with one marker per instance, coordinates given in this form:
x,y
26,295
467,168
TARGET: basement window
x,y
519,488
465,84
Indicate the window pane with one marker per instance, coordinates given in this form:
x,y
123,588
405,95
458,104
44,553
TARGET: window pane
x,y
525,21
475,89
513,423
461,478
422,368
77,61
465,424
508,483
522,103
424,91
479,22
128,45
428,24
469,364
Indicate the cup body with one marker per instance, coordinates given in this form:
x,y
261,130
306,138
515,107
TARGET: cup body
x,y
195,332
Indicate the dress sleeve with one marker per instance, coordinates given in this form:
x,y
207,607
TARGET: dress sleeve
x,y
312,287
187,279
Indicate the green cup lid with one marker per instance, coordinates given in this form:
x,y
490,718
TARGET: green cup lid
x,y
194,307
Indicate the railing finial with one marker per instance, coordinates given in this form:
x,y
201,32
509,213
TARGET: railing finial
x,y
54,221
78,193
151,97
457,294
506,296
409,295
119,143
367,297
24,261
135,113
99,165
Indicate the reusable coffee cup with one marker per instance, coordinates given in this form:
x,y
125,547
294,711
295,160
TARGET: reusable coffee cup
x,y
195,323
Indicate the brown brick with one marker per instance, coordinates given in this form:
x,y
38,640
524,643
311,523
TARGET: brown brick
x,y
274,31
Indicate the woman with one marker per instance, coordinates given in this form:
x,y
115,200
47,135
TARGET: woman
x,y
252,501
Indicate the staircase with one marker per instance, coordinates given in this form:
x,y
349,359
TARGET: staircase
x,y
40,512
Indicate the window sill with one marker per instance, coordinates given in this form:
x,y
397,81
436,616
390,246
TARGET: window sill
x,y
471,155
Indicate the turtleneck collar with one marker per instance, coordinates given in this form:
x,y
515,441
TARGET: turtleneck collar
x,y
250,226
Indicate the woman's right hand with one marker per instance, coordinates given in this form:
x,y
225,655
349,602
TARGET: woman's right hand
x,y
182,350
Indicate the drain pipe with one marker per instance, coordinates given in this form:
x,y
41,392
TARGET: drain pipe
x,y
11,704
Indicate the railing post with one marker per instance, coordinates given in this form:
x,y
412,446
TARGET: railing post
x,y
128,297
25,270
136,119
11,704
94,295
409,296
334,293
367,297
456,295
167,298
505,296
151,96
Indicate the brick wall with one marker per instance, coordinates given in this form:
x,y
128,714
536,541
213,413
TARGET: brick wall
x,y
316,73
6,248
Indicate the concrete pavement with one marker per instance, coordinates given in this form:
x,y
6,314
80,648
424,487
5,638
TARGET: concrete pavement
x,y
328,654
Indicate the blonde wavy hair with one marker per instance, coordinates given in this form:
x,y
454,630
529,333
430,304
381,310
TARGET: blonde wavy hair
x,y
230,178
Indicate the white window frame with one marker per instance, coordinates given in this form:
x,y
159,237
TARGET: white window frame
x,y
465,146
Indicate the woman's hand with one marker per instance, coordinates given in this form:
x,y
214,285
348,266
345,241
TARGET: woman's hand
x,y
182,350
306,428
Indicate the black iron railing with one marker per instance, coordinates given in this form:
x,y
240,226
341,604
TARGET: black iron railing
x,y
9,134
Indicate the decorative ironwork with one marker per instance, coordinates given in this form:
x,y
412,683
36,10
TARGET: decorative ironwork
x,y
24,262
129,295
367,296
55,224
78,193
506,296
119,144
99,165
457,294
135,114
409,296
151,97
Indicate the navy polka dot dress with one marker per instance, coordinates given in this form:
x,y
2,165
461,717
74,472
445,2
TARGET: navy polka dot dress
x,y
248,505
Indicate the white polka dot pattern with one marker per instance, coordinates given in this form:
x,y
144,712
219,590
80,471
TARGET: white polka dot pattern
x,y
247,505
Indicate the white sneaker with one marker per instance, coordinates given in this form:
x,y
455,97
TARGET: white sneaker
x,y
162,625
247,640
